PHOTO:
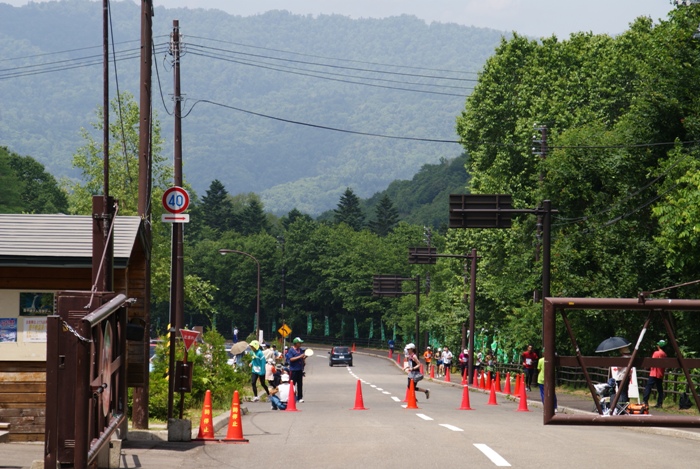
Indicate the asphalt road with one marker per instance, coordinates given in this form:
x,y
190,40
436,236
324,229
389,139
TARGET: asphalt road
x,y
327,432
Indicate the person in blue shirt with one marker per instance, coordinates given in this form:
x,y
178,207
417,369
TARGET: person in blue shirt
x,y
297,360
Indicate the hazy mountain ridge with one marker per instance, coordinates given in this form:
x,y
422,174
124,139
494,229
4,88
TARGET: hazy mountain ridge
x,y
290,165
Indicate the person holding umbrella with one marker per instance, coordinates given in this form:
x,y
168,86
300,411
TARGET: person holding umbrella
x,y
617,372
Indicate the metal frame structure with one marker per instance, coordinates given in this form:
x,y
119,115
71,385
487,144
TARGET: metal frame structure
x,y
660,307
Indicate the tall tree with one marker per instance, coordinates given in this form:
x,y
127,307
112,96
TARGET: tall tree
x,y
253,218
216,209
41,193
386,217
349,211
13,187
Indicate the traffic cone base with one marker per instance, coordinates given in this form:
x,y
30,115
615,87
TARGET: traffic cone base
x,y
498,381
206,423
465,399
447,374
412,404
235,426
492,396
507,384
488,380
292,401
522,405
359,403
432,371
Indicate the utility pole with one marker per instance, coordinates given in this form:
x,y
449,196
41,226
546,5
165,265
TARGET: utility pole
x,y
177,314
141,394
539,148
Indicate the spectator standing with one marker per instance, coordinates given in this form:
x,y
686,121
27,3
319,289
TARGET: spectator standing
x,y
438,361
391,346
297,361
257,370
656,377
529,362
540,382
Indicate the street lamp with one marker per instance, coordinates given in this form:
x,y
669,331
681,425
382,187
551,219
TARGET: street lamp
x,y
223,252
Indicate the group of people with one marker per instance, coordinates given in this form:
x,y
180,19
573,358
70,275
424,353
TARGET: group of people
x,y
441,357
278,369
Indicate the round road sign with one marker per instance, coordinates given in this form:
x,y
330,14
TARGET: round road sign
x,y
176,200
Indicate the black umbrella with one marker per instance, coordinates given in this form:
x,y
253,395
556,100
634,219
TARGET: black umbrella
x,y
612,343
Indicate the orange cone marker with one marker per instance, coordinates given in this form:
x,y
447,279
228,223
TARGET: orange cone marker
x,y
522,405
465,399
292,401
517,385
475,382
447,374
353,347
492,395
507,384
411,404
482,382
488,380
235,426
498,381
432,372
464,377
359,403
206,423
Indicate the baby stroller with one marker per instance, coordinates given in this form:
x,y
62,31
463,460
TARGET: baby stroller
x,y
606,394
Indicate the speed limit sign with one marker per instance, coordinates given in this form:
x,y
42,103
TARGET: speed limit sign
x,y
176,199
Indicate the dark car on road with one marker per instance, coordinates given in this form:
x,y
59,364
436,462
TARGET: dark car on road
x,y
340,356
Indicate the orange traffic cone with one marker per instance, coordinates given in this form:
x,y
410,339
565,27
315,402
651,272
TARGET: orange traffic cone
x,y
465,399
398,359
206,423
292,401
235,426
522,405
492,395
482,382
507,383
488,380
447,374
391,353
353,347
464,377
359,403
517,385
408,391
411,403
475,382
421,368
498,381
432,372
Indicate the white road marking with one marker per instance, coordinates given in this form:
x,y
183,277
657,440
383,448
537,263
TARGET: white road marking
x,y
396,398
424,417
372,385
451,427
386,392
495,458
379,389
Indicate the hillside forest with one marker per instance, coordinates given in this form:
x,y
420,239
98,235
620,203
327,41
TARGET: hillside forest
x,y
619,164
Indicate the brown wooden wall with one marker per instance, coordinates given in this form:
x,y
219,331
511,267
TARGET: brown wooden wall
x,y
23,399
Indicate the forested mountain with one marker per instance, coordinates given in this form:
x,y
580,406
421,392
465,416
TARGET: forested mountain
x,y
294,108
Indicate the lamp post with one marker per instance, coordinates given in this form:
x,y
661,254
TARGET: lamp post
x,y
223,252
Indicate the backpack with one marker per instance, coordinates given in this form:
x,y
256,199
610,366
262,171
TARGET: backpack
x,y
684,402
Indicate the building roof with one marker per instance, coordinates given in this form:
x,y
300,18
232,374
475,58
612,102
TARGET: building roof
x,y
60,240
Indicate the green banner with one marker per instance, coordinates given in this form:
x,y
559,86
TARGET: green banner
x,y
309,324
326,330
357,334
371,329
381,327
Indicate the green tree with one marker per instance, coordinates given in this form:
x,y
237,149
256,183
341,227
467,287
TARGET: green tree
x,y
216,209
40,193
11,196
253,218
385,218
349,211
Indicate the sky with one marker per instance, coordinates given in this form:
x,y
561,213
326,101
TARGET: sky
x,y
536,18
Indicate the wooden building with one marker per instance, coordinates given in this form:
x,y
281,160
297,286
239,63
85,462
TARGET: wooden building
x,y
39,256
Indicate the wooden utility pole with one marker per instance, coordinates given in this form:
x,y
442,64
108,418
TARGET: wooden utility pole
x,y
141,393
